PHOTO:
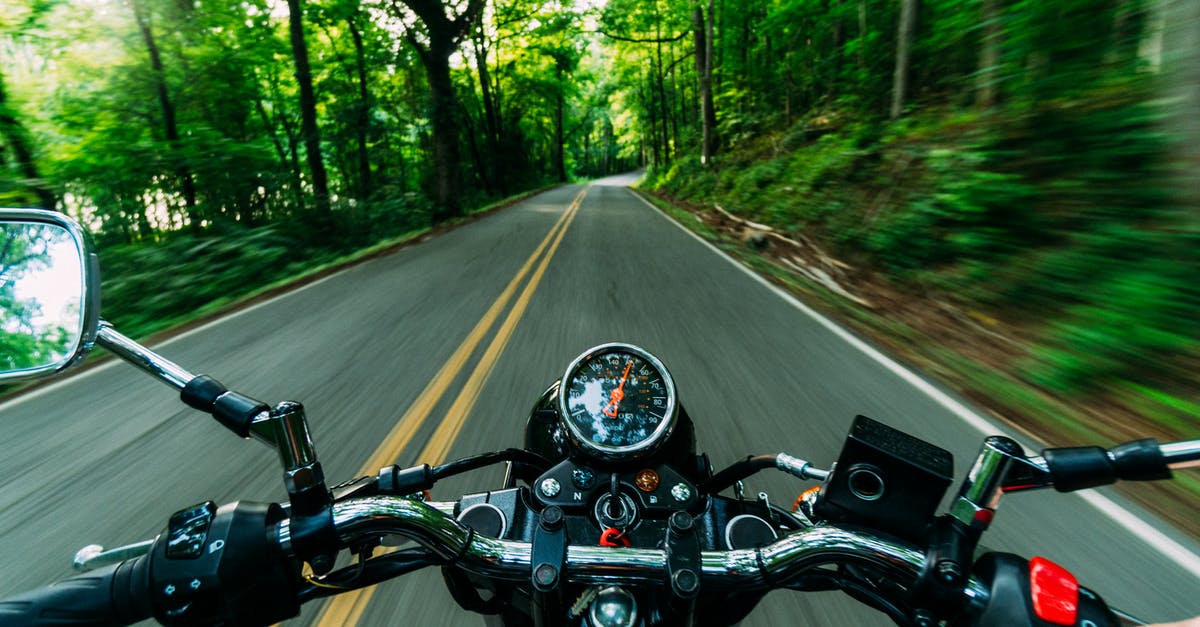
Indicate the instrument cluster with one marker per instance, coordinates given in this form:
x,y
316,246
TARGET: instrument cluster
x,y
618,402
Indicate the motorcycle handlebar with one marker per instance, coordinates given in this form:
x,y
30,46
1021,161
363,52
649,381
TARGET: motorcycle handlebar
x,y
1180,455
116,595
770,566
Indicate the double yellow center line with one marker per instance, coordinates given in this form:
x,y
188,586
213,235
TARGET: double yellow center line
x,y
346,608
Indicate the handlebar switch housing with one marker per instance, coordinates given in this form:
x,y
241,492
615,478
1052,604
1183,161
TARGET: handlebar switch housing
x,y
237,576
1012,598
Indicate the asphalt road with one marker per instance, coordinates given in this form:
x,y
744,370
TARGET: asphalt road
x,y
106,456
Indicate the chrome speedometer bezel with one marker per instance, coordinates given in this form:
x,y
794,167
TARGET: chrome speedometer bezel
x,y
632,451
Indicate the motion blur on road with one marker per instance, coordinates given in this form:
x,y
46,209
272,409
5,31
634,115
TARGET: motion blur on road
x,y
107,455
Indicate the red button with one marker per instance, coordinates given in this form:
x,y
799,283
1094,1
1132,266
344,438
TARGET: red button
x,y
1055,592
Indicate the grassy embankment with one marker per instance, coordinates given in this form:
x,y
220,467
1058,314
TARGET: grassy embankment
x,y
1032,263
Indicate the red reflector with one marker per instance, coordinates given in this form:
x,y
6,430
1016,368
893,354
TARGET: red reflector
x,y
1055,592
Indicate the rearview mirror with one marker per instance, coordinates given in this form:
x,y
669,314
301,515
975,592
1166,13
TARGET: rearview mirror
x,y
49,296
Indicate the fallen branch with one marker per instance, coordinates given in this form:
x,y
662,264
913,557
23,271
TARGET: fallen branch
x,y
820,276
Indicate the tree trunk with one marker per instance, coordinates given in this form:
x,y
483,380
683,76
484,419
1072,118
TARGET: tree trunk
x,y
168,112
837,49
13,133
363,120
989,56
1181,86
491,119
481,173
560,161
703,28
862,34
308,118
660,83
444,34
447,194
904,37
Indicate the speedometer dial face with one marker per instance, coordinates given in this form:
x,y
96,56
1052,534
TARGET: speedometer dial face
x,y
618,401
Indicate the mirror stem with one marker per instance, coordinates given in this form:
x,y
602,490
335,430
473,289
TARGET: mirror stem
x,y
239,413
158,366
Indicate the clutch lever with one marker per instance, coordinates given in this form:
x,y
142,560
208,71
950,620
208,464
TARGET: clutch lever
x,y
94,556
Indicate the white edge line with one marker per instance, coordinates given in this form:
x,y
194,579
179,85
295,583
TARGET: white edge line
x,y
80,376
1168,547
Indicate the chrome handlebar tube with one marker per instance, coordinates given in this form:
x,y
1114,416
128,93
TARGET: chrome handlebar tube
x,y
1180,455
773,565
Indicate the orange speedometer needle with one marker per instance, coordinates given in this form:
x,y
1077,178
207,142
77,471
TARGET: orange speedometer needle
x,y
618,394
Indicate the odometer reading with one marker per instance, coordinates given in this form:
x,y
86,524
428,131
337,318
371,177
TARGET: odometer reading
x,y
617,399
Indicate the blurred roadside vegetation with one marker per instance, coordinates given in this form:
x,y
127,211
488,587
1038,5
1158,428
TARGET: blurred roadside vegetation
x,y
1039,181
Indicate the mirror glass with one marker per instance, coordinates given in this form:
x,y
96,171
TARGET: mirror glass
x,y
41,296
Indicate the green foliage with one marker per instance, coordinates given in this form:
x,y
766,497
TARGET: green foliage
x,y
969,214
203,270
1045,201
1128,301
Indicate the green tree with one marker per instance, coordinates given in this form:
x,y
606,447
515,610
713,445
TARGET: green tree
x,y
308,116
440,37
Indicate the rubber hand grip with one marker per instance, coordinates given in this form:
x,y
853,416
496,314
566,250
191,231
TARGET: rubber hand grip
x,y
116,595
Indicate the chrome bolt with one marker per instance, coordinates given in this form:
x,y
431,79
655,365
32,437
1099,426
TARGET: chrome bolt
x,y
550,488
681,492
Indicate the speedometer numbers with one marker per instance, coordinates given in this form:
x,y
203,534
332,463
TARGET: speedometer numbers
x,y
617,401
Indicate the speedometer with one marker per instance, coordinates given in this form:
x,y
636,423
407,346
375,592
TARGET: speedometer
x,y
618,401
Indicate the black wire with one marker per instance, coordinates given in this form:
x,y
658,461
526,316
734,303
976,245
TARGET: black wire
x,y
823,580
736,472
517,456
865,595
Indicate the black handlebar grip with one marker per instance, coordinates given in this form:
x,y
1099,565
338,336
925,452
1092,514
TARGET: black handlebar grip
x,y
116,595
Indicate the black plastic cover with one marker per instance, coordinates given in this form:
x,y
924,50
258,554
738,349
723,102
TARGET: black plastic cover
x,y
201,392
397,481
886,479
1081,467
234,410
1140,460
